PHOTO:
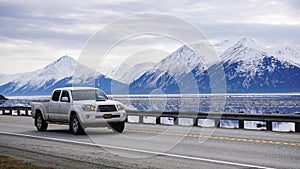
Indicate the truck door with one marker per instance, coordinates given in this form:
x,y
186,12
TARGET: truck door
x,y
54,105
65,105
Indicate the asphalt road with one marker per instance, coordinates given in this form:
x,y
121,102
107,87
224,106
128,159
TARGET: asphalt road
x,y
148,146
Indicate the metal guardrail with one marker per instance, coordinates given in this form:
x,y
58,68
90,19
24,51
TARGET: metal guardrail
x,y
217,116
18,109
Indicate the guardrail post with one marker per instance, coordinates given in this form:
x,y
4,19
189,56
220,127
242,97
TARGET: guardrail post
x,y
158,120
297,127
141,119
241,124
176,120
269,125
217,123
195,122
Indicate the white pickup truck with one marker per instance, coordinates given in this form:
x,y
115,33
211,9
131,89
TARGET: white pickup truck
x,y
80,107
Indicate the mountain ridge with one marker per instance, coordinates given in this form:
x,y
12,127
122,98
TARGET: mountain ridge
x,y
248,67
59,73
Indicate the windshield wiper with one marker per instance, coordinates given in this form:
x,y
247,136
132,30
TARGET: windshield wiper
x,y
100,99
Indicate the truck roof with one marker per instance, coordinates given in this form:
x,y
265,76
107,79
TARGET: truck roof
x,y
77,88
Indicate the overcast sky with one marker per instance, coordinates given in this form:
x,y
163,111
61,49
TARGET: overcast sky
x,y
33,33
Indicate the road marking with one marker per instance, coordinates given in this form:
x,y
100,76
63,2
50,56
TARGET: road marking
x,y
25,122
137,150
217,137
188,135
16,121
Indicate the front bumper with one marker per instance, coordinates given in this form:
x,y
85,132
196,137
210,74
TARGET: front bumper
x,y
101,119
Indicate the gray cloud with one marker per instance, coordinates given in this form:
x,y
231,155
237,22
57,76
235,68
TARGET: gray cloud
x,y
65,26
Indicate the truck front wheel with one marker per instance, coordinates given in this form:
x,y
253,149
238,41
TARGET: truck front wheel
x,y
40,123
75,126
118,127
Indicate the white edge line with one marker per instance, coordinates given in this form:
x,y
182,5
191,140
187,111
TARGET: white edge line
x,y
137,150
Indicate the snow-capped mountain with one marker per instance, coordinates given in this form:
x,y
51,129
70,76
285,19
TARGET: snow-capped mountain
x,y
167,73
248,67
61,73
246,50
126,73
251,68
222,46
54,72
245,59
105,69
289,54
7,78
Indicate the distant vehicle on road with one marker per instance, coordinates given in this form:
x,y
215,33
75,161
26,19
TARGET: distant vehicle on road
x,y
2,99
80,107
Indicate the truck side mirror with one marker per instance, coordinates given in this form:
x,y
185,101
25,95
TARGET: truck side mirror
x,y
65,99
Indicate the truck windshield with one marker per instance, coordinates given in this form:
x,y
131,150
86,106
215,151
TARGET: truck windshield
x,y
88,95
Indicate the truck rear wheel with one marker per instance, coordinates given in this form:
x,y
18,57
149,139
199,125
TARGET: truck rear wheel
x,y
118,127
40,123
75,126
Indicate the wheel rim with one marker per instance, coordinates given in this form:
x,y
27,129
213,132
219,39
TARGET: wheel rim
x,y
39,121
75,125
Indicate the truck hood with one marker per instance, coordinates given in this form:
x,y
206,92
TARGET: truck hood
x,y
93,102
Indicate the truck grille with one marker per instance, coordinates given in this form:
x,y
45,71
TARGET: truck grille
x,y
106,108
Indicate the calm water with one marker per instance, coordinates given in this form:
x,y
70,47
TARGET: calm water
x,y
248,103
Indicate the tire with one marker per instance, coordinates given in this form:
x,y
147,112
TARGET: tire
x,y
118,127
75,126
40,123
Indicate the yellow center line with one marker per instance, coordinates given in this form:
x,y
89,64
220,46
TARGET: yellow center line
x,y
16,121
217,137
297,144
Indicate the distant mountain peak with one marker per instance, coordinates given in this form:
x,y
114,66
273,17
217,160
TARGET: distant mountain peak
x,y
64,60
289,54
59,73
246,42
247,39
246,49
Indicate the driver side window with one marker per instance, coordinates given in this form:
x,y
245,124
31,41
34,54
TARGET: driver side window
x,y
55,95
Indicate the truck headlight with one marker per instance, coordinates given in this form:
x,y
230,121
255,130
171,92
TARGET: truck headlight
x,y
120,106
88,108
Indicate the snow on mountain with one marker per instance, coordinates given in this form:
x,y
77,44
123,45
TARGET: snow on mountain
x,y
7,78
289,54
179,62
222,46
246,50
56,71
63,72
127,73
249,62
176,65
248,56
248,67
105,69
165,74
